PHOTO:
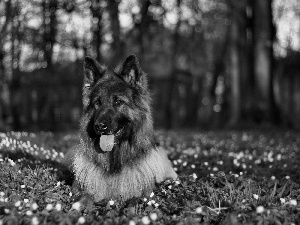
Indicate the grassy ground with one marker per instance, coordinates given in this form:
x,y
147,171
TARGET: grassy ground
x,y
226,177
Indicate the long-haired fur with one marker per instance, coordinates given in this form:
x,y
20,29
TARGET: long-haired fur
x,y
135,164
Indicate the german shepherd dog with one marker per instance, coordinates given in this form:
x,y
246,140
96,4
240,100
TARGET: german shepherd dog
x,y
117,157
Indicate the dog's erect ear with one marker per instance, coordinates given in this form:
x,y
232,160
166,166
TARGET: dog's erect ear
x,y
132,73
92,71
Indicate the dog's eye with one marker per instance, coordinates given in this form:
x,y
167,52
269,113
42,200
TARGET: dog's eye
x,y
97,103
117,101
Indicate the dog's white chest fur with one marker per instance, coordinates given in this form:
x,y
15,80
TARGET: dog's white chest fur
x,y
132,181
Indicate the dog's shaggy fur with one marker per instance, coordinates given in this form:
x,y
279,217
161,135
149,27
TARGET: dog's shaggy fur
x,y
134,164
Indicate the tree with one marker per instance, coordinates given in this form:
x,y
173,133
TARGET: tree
x,y
263,36
49,8
169,114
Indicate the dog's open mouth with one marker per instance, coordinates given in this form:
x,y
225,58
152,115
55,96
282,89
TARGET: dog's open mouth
x,y
107,141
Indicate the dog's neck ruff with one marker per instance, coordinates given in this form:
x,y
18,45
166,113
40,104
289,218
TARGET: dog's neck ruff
x,y
133,180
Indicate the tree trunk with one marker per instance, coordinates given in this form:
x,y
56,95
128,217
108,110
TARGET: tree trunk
x,y
50,29
117,45
97,11
169,114
235,100
263,57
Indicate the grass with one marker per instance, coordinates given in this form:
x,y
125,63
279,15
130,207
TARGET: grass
x,y
226,177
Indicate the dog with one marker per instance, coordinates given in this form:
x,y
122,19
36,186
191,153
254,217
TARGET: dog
x,y
117,157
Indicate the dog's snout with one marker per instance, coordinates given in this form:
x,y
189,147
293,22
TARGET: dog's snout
x,y
100,128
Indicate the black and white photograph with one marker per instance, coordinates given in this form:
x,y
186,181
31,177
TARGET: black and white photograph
x,y
150,112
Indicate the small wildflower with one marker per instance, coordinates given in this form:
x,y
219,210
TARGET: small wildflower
x,y
81,220
156,205
273,177
153,216
58,207
76,206
34,206
255,196
170,186
287,177
145,199
58,184
26,200
199,210
146,220
151,195
131,222
205,163
193,166
194,176
149,203
70,194
23,186
260,209
177,182
49,207
6,211
29,213
2,194
34,221
282,200
18,204
111,202
293,202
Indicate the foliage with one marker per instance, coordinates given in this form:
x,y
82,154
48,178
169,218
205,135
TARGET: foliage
x,y
225,178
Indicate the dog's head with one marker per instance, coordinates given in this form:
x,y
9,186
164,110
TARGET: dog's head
x,y
117,115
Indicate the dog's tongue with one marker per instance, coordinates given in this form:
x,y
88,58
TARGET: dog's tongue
x,y
107,142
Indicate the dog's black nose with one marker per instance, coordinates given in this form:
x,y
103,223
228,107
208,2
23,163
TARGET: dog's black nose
x,y
100,128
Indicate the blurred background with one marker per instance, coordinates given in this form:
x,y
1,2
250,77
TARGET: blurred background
x,y
211,63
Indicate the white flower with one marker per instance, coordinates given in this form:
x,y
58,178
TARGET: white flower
x,y
49,207
70,194
170,186
287,177
2,193
273,177
255,196
260,209
58,184
177,182
26,200
156,205
18,204
282,200
145,199
111,202
76,206
131,222
34,206
146,220
29,213
58,207
149,203
153,216
81,220
293,202
199,210
6,211
193,166
151,195
194,176
23,186
34,221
